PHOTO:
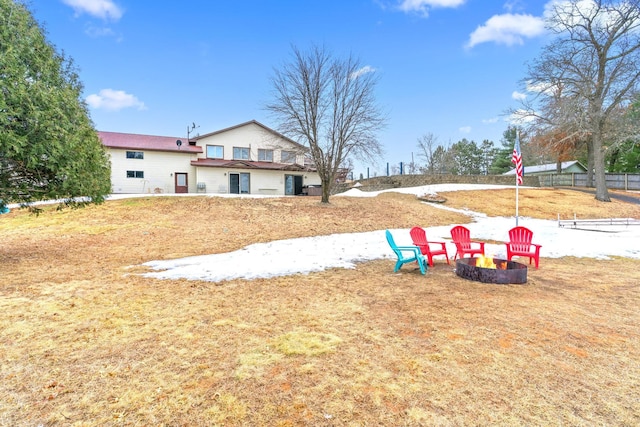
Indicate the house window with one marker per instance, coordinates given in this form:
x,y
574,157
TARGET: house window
x,y
135,174
135,155
240,153
288,156
265,155
215,152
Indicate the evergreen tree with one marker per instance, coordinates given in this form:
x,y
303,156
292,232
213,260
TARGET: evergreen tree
x,y
441,160
488,154
48,146
467,158
502,160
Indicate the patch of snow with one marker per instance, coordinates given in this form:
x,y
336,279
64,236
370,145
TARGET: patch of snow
x,y
318,253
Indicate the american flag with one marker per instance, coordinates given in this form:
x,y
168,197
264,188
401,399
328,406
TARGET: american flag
x,y
516,159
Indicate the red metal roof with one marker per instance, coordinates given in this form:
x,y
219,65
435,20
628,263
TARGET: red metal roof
x,y
245,164
146,142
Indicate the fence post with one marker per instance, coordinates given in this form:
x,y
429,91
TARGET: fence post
x,y
626,182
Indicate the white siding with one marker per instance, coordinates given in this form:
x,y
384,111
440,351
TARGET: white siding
x,y
251,136
159,171
262,181
312,178
268,182
215,180
160,167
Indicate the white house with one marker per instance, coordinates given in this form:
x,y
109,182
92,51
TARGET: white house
x,y
248,158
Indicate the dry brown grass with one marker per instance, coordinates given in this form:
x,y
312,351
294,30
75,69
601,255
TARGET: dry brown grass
x,y
85,341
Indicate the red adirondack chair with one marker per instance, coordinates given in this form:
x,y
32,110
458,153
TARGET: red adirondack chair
x,y
519,244
461,237
429,249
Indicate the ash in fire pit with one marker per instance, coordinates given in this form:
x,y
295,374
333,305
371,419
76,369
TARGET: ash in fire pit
x,y
492,270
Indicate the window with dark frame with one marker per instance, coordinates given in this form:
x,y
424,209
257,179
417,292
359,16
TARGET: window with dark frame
x,y
135,174
135,155
215,152
240,153
265,155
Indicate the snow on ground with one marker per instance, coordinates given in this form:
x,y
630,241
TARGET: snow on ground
x,y
318,253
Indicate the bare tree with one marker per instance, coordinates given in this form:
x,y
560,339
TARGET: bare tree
x,y
412,166
427,144
328,105
586,74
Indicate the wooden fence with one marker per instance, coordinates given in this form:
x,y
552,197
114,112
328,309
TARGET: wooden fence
x,y
615,181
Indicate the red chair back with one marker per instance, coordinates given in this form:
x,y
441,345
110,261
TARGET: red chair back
x,y
520,238
461,236
418,236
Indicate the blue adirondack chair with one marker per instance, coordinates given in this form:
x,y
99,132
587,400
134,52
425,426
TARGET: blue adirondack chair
x,y
413,254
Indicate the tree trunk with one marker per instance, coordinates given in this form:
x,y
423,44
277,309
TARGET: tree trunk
x,y
590,162
613,159
602,194
326,190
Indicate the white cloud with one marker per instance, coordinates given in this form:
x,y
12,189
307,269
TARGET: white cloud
x,y
465,129
512,5
507,29
490,121
364,70
546,88
577,13
423,6
104,9
92,31
518,96
114,100
521,117
567,10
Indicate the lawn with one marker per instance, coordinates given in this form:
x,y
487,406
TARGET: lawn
x,y
86,340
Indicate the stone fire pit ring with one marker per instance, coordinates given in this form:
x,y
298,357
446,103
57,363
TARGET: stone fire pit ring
x,y
511,273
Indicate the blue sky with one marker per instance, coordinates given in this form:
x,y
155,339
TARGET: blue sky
x,y
447,67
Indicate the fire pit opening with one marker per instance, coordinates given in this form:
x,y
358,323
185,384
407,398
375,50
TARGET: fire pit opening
x,y
492,270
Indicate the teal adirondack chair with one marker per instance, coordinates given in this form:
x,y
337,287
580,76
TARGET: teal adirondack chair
x,y
413,254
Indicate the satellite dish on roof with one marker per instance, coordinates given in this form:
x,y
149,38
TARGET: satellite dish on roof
x,y
178,143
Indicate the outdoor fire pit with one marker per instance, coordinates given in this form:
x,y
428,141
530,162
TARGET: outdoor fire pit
x,y
492,270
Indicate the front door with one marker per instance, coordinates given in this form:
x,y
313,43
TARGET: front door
x,y
182,185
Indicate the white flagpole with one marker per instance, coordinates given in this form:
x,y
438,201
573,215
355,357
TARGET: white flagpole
x,y
517,199
517,176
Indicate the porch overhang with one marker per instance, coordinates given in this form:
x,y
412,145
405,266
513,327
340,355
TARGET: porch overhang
x,y
245,164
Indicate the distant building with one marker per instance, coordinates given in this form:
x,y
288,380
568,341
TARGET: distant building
x,y
572,166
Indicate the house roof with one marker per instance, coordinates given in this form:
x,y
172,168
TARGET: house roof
x,y
134,141
255,122
549,167
245,164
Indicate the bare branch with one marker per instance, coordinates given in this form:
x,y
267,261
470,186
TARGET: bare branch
x,y
328,105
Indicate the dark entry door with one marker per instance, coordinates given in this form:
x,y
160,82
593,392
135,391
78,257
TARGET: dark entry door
x,y
234,183
182,183
239,183
292,185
